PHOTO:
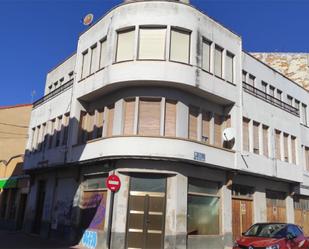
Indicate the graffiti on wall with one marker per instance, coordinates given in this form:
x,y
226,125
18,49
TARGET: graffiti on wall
x,y
93,209
90,239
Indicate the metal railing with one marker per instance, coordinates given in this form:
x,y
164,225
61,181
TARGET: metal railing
x,y
270,99
53,94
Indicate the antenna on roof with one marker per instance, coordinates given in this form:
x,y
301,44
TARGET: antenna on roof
x,y
32,95
88,19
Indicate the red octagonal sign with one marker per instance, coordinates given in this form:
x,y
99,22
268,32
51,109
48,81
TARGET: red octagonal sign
x,y
113,183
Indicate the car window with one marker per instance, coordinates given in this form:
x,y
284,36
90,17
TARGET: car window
x,y
296,231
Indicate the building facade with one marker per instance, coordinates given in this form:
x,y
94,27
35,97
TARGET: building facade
x,y
205,138
14,183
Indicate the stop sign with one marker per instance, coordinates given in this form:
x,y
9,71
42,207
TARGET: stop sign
x,y
113,183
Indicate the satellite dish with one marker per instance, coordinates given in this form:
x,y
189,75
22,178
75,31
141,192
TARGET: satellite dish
x,y
228,134
88,19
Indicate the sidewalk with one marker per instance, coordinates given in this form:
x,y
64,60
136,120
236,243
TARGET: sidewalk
x,y
19,240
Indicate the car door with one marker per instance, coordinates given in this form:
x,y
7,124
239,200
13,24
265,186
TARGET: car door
x,y
299,241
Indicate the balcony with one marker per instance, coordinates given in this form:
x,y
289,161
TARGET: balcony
x,y
52,94
270,99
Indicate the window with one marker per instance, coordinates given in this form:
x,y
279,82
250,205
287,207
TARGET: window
x,y
85,64
170,118
125,45
265,140
50,88
58,131
149,117
110,120
206,50
90,125
245,131
286,147
103,53
56,84
279,94
229,67
296,104
152,43
66,119
44,136
256,139
193,115
82,127
277,144
61,81
99,122
203,207
306,151
129,114
289,100
272,91
304,114
71,74
294,149
244,76
51,133
218,61
94,59
264,87
180,46
251,80
218,130
206,117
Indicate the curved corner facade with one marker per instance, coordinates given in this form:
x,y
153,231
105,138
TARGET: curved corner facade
x,y
163,96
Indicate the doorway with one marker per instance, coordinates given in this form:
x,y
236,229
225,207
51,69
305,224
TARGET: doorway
x,y
39,207
146,212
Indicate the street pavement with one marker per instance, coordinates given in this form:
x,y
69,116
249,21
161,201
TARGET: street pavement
x,y
19,240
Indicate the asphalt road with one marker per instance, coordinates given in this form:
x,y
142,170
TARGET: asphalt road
x,y
18,240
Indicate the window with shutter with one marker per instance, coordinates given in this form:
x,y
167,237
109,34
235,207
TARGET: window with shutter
x,y
277,144
99,123
152,43
193,114
294,148
265,140
307,158
256,148
286,146
125,45
170,118
85,64
245,127
229,67
218,61
218,130
94,65
206,50
206,117
149,117
103,53
110,120
82,127
129,113
180,46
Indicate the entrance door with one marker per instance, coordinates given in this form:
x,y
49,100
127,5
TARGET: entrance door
x,y
146,212
39,207
21,211
301,212
276,209
242,216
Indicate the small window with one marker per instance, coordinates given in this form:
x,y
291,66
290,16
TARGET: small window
x,y
264,87
50,88
193,115
256,139
56,84
180,46
218,61
152,43
103,53
265,140
94,59
71,74
203,207
296,104
304,114
229,67
149,117
125,45
286,147
206,50
129,115
244,76
251,80
272,91
279,94
277,144
85,64
289,100
245,129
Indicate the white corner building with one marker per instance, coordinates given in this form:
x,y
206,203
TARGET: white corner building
x,y
205,138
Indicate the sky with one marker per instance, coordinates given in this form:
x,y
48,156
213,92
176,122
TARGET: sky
x,y
35,35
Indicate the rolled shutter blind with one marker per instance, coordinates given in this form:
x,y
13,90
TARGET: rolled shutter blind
x,y
206,116
149,117
170,118
277,144
193,114
86,64
293,145
218,61
229,67
206,56
256,137
94,60
265,141
103,53
110,120
180,46
125,45
218,130
152,43
245,134
129,110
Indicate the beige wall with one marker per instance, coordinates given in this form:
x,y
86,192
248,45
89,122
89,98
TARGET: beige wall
x,y
12,168
14,122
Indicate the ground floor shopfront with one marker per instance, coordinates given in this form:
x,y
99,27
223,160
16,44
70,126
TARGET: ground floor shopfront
x,y
160,204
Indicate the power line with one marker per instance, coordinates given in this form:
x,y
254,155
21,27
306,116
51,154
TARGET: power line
x,y
20,126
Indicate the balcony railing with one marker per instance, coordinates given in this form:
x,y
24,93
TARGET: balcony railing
x,y
53,94
270,99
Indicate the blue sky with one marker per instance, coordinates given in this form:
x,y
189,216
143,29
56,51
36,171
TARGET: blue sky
x,y
35,35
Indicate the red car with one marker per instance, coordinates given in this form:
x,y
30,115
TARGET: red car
x,y
272,236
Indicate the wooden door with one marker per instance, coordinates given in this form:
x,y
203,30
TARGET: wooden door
x,y
242,216
276,208
302,219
